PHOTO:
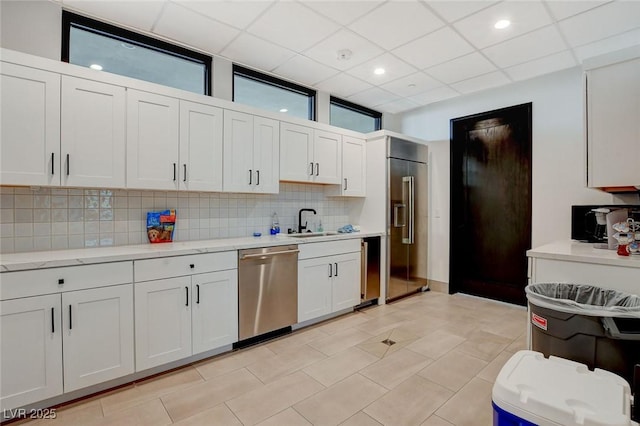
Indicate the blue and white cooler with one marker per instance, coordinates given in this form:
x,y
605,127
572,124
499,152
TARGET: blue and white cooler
x,y
534,390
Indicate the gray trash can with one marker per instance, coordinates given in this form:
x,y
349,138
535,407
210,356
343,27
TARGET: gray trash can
x,y
587,324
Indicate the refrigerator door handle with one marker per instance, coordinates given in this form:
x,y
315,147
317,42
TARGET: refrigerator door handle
x,y
396,215
408,197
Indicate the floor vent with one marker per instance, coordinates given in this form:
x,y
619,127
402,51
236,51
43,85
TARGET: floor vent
x,y
388,342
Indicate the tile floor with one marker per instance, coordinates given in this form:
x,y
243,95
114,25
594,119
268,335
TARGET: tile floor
x,y
440,371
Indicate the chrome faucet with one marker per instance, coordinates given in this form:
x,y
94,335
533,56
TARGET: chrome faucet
x,y
300,226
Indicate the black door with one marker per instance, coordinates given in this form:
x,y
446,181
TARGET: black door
x,y
491,203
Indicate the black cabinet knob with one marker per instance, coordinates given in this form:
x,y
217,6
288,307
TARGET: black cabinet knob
x,y
61,281
192,266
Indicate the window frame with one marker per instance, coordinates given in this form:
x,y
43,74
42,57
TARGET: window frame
x,y
377,115
275,82
70,19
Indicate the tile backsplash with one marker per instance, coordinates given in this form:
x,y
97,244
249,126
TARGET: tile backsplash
x,y
34,219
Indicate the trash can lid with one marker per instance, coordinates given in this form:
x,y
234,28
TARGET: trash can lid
x,y
563,392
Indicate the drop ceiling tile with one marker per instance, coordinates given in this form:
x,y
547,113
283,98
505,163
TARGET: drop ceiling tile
x,y
482,82
435,48
136,14
561,9
343,12
600,47
193,29
326,51
601,22
305,70
454,10
373,97
411,84
400,105
292,25
546,65
343,85
394,68
396,23
536,44
435,95
238,14
524,16
461,68
256,52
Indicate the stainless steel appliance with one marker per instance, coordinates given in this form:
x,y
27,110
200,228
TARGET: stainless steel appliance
x,y
370,275
267,289
407,217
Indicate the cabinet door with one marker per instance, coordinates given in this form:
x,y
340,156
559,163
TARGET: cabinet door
x,y
314,288
163,321
215,310
613,114
30,126
92,144
200,147
296,156
97,335
152,141
266,155
327,157
346,281
31,350
353,167
239,173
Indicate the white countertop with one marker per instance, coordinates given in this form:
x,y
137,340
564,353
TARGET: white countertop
x,y
583,252
58,258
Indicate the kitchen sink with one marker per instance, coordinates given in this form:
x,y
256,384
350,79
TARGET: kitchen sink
x,y
312,234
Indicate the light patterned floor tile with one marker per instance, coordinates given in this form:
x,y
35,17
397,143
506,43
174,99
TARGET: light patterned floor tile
x,y
343,323
285,363
383,323
84,412
339,402
340,366
296,339
490,372
484,345
151,413
471,406
395,368
288,417
203,396
410,403
436,344
220,415
234,361
360,419
436,421
262,403
519,344
340,341
453,370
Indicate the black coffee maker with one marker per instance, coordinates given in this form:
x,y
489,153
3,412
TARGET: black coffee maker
x,y
588,222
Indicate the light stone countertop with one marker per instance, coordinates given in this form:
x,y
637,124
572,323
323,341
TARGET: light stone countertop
x,y
57,258
583,252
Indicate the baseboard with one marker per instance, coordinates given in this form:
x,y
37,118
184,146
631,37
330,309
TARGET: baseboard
x,y
438,286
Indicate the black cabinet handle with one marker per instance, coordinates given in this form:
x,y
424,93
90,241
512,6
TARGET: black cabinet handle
x,y
250,176
311,174
53,322
174,172
317,169
345,184
192,265
184,177
198,294
60,281
53,156
330,271
257,177
186,289
70,323
68,164
336,269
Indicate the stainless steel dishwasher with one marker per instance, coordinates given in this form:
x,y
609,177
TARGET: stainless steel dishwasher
x,y
267,290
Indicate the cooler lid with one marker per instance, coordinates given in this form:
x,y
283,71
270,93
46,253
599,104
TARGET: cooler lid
x,y
562,391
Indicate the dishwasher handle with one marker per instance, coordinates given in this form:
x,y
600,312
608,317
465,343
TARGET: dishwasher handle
x,y
263,255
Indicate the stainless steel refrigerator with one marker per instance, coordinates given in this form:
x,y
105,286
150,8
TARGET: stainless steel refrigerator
x,y
407,220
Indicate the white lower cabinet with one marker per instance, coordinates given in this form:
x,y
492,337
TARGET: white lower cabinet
x,y
31,350
328,284
180,316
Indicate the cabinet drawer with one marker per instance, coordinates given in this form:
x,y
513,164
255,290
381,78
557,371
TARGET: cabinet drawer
x,y
328,248
69,278
176,266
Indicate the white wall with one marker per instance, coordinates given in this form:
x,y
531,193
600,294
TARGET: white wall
x,y
33,27
558,156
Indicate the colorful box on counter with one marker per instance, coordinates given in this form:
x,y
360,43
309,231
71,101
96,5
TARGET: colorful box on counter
x,y
160,226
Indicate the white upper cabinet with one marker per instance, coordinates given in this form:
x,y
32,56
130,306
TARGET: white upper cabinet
x,y
30,122
200,147
93,134
152,141
353,169
310,155
251,153
613,125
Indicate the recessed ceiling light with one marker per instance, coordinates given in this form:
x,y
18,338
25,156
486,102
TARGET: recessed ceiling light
x,y
96,67
502,24
284,110
378,71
